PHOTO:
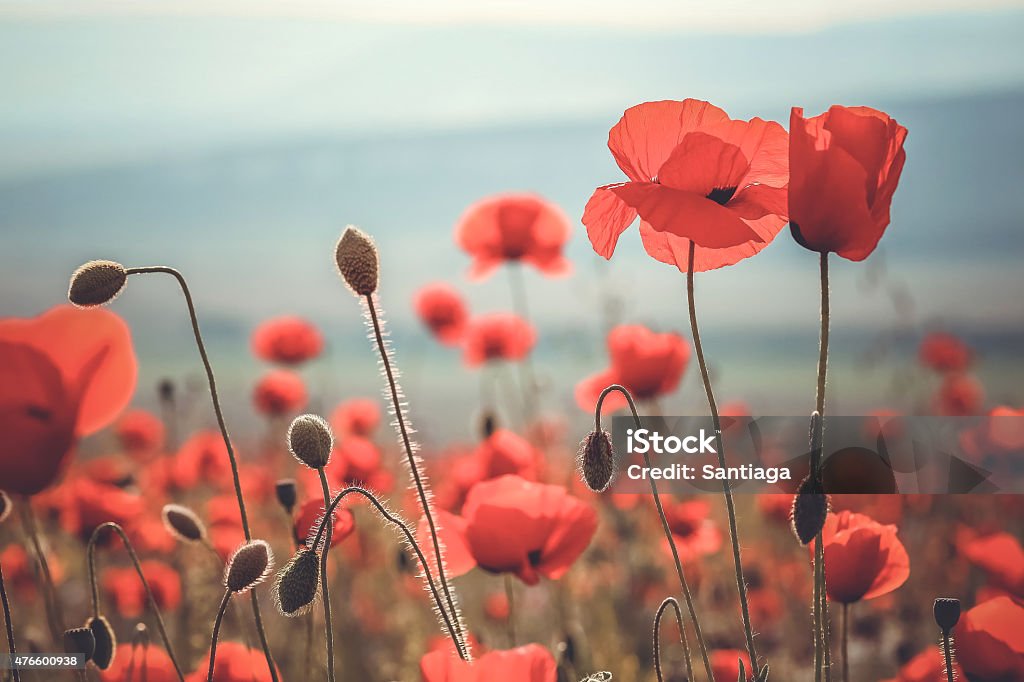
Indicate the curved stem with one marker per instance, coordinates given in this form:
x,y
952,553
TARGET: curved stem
x,y
664,524
11,648
671,601
409,537
94,585
223,432
329,624
54,615
741,583
947,652
216,632
419,481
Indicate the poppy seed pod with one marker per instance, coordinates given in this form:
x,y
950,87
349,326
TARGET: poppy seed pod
x,y
596,460
5,506
287,493
97,282
248,566
947,613
105,641
310,440
297,583
357,260
80,641
810,508
182,523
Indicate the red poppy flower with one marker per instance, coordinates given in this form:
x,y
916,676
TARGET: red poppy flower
x,y
358,458
725,664
695,534
125,590
309,516
66,374
19,571
287,340
645,362
844,166
202,458
776,506
498,336
497,607
136,662
505,452
990,641
529,529
514,227
279,393
863,558
140,432
442,310
960,395
356,417
944,353
694,174
235,663
530,663
927,666
86,504
1000,555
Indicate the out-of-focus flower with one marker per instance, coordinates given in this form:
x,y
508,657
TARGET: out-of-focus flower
x,y
235,663
1000,555
960,395
725,664
990,641
693,174
442,311
65,374
279,393
497,336
844,166
19,572
529,529
201,458
138,662
125,590
645,362
310,514
451,529
695,534
863,558
497,607
287,340
505,452
86,504
927,666
944,352
530,663
517,228
359,458
776,506
140,432
356,417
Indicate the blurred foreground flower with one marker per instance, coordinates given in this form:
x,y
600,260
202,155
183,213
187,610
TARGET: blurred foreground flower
x,y
287,340
530,663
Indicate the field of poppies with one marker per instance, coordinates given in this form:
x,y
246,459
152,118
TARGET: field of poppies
x,y
163,546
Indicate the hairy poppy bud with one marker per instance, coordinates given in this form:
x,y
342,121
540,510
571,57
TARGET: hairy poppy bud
x,y
80,641
182,523
104,640
947,613
5,506
248,566
596,460
97,282
298,582
287,493
310,440
357,261
810,508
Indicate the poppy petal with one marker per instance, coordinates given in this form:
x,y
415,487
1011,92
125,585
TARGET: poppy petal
x,y
702,163
606,216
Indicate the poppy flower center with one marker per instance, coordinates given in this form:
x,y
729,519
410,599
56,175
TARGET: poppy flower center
x,y
721,195
534,557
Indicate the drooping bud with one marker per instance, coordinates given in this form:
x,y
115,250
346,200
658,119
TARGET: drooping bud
x,y
298,582
165,389
596,460
5,506
105,641
248,566
810,509
310,440
947,613
80,641
488,424
358,262
97,282
182,523
287,493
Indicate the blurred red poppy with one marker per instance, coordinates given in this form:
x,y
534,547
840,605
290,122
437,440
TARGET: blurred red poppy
x,y
356,416
442,310
20,571
359,458
517,228
287,340
694,174
309,516
140,432
645,362
126,593
85,504
725,664
280,392
1000,555
695,534
201,458
506,452
844,167
863,558
497,607
959,395
235,663
451,530
529,529
137,662
944,353
530,663
927,666
66,374
498,336
990,641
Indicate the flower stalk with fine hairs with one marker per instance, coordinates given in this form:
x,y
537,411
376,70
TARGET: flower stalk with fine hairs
x,y
99,282
51,599
671,601
94,585
248,567
741,583
947,615
358,263
664,523
8,624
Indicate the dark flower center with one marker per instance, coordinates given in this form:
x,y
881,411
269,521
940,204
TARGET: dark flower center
x,y
534,557
721,195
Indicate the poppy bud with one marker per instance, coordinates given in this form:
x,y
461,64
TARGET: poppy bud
x,y
165,389
357,261
287,493
248,566
310,440
488,424
5,506
810,507
947,613
97,282
105,641
596,460
298,582
182,523
80,641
